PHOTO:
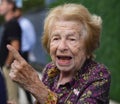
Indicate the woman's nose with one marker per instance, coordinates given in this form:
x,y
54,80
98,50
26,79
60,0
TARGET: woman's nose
x,y
63,46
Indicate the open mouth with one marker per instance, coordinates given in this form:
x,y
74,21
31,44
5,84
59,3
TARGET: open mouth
x,y
64,57
64,60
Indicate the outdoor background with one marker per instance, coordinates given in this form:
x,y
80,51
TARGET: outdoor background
x,y
109,51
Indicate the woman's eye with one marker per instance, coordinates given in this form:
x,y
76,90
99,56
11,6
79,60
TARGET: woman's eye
x,y
54,39
72,39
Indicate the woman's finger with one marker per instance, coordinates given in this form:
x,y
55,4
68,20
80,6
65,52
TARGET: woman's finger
x,y
15,53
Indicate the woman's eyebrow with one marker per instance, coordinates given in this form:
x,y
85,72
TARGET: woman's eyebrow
x,y
54,35
71,34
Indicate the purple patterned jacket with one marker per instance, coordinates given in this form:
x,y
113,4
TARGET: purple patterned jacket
x,y
90,85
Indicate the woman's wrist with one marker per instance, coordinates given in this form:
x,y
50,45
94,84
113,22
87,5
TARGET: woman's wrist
x,y
51,98
43,95
39,91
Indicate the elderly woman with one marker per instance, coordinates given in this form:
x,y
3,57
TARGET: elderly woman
x,y
71,35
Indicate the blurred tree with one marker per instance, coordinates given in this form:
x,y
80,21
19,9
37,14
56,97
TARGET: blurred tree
x,y
48,2
32,4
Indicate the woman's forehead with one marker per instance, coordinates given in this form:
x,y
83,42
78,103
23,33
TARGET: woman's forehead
x,y
66,25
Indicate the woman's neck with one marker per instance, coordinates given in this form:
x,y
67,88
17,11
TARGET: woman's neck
x,y
64,78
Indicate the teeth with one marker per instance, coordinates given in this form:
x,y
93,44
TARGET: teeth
x,y
64,57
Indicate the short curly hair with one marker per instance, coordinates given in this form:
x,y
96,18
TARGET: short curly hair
x,y
75,12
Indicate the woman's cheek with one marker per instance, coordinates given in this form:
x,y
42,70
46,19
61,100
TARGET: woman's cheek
x,y
53,48
75,48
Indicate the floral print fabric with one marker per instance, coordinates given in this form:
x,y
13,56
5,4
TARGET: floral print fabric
x,y
90,85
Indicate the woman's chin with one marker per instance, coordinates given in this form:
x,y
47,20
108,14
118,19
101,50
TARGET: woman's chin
x,y
64,66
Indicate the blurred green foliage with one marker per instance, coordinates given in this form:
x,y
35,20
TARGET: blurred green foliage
x,y
32,4
109,51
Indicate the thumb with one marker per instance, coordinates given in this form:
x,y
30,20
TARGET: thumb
x,y
15,53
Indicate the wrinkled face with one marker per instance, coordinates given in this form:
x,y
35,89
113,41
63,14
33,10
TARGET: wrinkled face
x,y
4,7
67,46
